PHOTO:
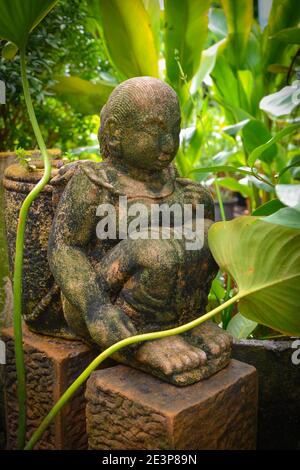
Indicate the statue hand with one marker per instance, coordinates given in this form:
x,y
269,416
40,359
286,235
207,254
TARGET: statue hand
x,y
109,324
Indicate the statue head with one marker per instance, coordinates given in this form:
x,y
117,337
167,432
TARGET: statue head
x,y
140,124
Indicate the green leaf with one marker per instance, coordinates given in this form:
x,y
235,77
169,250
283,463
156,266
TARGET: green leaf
x,y
84,96
153,9
9,51
241,327
217,22
268,208
186,27
239,16
257,152
234,185
218,289
284,14
289,194
264,261
235,128
256,134
287,217
289,35
19,17
282,102
293,166
128,36
207,63
229,92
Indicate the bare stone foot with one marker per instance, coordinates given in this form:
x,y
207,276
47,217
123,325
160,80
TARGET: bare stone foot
x,y
212,339
172,355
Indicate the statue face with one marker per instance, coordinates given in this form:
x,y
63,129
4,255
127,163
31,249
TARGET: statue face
x,y
152,141
140,124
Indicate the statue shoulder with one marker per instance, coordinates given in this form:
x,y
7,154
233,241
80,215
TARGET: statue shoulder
x,y
94,172
197,192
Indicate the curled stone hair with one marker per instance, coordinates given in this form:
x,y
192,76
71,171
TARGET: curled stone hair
x,y
126,101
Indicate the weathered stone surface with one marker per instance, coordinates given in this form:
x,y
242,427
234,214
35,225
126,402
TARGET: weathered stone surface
x,y
51,365
127,409
124,285
279,391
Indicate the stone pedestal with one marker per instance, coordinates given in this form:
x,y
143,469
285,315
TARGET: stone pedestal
x,y
51,366
127,409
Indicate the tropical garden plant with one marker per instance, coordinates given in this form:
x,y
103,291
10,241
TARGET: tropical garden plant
x,y
261,253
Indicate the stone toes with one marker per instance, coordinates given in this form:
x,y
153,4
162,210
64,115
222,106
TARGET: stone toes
x,y
167,367
177,364
213,348
187,361
202,357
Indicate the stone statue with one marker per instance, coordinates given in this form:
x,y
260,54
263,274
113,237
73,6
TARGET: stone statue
x,y
116,287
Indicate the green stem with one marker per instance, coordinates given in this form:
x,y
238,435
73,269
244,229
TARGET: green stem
x,y
220,201
225,319
18,263
108,352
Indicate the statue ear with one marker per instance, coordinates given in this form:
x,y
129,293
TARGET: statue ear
x,y
113,135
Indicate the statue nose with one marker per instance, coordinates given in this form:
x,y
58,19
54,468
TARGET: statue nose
x,y
166,143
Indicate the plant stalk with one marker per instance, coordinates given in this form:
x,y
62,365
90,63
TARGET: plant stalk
x,y
108,352
19,255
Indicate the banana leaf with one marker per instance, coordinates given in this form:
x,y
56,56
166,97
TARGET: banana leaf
x,y
84,96
186,27
19,17
128,36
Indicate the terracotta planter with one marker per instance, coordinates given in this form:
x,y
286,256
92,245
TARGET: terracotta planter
x,y
279,391
40,293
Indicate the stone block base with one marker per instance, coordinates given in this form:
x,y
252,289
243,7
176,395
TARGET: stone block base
x,y
51,366
127,409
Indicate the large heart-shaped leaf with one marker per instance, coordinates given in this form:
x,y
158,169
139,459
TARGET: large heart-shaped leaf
x,y
128,36
186,24
264,260
19,17
84,96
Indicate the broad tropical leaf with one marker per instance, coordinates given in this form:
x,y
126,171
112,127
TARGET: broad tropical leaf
x,y
289,35
289,194
240,327
186,24
84,96
153,9
19,17
264,261
239,16
284,14
128,36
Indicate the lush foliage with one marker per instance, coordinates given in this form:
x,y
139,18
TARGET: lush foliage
x,y
60,44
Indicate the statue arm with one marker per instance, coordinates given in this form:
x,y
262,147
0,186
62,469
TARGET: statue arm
x,y
73,228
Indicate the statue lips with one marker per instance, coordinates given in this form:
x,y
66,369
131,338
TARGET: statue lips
x,y
164,157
